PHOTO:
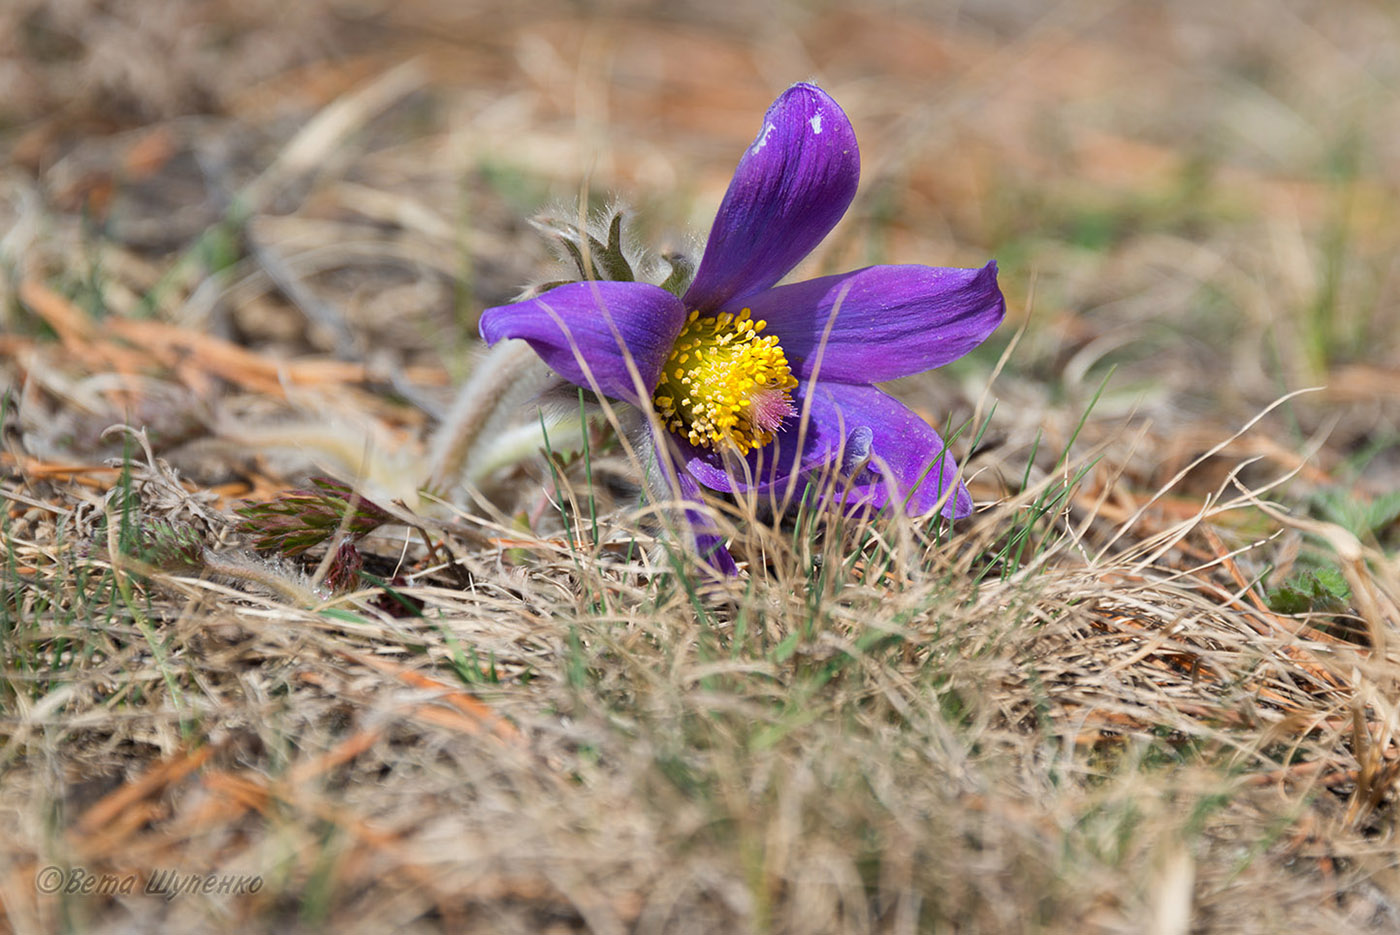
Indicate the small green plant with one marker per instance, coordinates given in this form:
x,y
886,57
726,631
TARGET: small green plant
x,y
1363,516
1321,590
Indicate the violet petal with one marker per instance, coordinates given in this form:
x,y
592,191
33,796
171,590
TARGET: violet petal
x,y
792,185
891,321
709,546
905,452
586,331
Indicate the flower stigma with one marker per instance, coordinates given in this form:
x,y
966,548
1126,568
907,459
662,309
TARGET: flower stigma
x,y
725,383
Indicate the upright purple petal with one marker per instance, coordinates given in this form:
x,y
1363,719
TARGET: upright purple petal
x,y
587,331
890,321
791,187
905,453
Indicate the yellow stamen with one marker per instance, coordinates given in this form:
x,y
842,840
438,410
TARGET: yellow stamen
x,y
732,385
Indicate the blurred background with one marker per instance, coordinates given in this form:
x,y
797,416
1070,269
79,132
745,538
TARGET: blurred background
x,y
1198,196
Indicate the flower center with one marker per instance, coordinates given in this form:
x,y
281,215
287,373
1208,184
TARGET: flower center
x,y
723,382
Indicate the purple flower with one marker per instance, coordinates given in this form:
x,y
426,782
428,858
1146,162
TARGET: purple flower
x,y
761,386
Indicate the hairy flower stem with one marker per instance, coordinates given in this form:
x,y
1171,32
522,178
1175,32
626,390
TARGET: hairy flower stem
x,y
507,376
523,441
256,572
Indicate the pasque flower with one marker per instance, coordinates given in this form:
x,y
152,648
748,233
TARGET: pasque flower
x,y
759,386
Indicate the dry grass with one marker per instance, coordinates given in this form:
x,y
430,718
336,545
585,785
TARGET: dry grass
x,y
260,235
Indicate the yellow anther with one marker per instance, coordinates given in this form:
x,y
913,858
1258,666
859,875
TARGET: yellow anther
x,y
733,386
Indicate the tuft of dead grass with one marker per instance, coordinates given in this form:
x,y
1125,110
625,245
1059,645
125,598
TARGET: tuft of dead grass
x,y
854,737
